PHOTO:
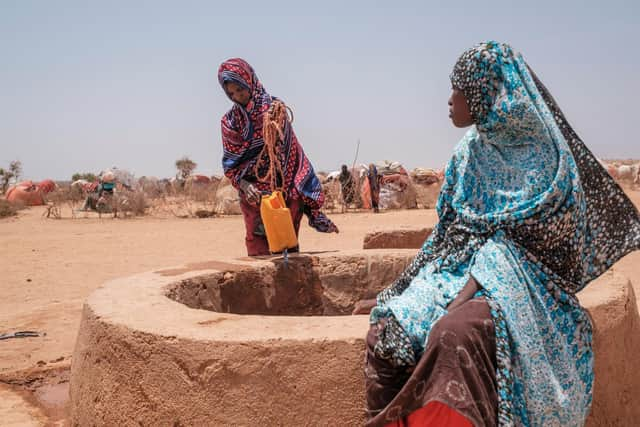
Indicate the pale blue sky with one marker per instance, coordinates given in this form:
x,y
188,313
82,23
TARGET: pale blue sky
x,y
85,85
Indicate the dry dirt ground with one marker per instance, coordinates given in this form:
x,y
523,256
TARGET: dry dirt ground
x,y
48,267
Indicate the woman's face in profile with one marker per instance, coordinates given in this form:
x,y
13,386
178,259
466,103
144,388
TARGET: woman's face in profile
x,y
459,112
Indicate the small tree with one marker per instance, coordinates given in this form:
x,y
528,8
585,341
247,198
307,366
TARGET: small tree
x,y
5,178
7,209
185,167
13,173
15,168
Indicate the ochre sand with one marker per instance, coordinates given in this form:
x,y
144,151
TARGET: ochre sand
x,y
49,267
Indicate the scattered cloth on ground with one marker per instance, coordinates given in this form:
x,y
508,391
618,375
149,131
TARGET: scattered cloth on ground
x,y
19,334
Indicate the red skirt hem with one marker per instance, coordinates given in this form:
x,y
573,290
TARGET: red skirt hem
x,y
435,414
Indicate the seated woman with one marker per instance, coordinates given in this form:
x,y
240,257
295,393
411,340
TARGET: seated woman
x,y
243,143
484,327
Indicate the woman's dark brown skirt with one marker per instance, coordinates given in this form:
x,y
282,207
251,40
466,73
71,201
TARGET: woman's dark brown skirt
x,y
457,368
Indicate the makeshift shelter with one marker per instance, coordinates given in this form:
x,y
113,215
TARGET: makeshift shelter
x,y
427,183
396,190
25,193
426,176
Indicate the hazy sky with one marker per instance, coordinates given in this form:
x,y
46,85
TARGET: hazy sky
x,y
85,85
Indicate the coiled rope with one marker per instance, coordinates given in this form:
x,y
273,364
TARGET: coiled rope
x,y
273,125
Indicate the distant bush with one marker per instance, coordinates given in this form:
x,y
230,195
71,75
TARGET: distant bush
x,y
132,202
138,203
7,209
86,175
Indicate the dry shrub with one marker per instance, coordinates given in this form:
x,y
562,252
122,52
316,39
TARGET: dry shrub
x,y
333,198
61,196
332,195
53,210
154,188
205,197
155,192
203,193
188,204
131,202
138,203
7,209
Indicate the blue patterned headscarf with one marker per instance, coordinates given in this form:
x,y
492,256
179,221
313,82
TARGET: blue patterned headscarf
x,y
529,212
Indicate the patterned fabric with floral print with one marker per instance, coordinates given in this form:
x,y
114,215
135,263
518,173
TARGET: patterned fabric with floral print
x,y
242,142
528,211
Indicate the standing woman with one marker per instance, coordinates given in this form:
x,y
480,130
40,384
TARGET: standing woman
x,y
374,186
484,327
243,143
347,187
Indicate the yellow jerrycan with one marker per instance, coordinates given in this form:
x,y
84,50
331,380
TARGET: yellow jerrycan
x,y
277,221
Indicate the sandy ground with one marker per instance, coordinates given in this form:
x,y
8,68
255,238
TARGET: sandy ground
x,y
48,267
